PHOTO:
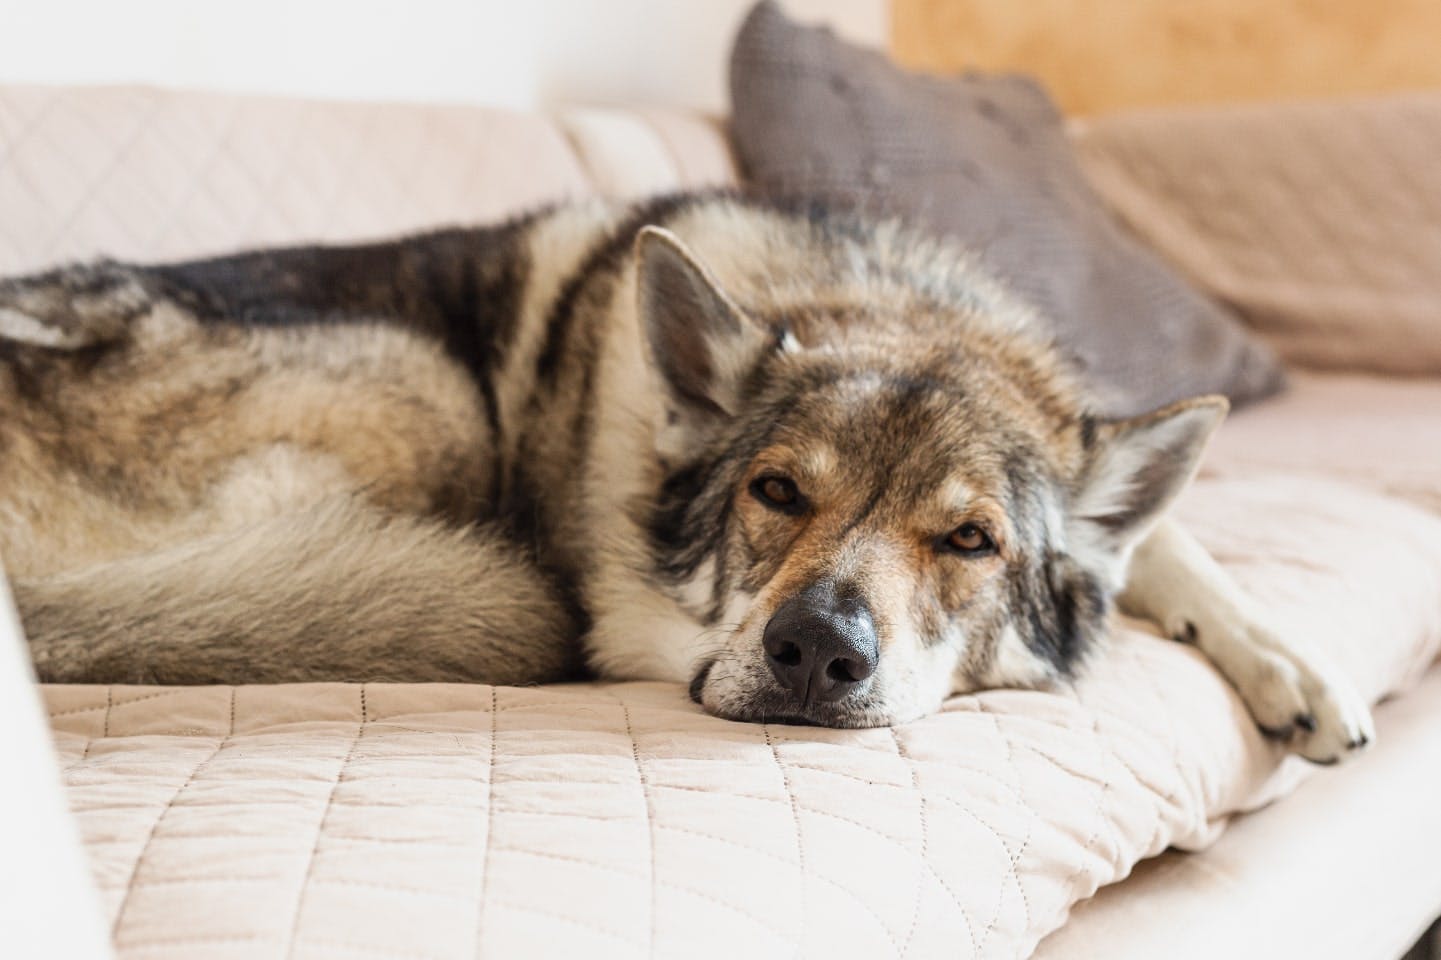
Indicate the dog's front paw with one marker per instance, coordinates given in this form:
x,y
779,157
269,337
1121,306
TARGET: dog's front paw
x,y
1308,706
1294,694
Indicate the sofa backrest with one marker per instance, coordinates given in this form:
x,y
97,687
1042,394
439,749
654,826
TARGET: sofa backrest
x,y
144,174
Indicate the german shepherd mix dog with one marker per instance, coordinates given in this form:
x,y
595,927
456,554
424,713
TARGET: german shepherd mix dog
x,y
821,470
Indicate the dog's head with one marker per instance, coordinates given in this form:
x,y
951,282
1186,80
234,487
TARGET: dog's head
x,y
875,505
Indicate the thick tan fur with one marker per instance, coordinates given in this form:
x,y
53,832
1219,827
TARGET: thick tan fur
x,y
269,505
335,589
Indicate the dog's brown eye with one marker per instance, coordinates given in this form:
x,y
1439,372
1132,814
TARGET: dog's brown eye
x,y
779,493
968,538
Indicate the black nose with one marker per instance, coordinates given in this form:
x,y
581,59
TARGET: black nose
x,y
821,643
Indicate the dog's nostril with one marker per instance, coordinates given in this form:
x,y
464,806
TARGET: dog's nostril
x,y
786,654
821,648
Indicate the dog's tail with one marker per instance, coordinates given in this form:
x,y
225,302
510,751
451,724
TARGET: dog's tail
x,y
339,591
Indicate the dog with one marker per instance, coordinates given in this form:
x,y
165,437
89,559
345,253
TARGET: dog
x,y
820,469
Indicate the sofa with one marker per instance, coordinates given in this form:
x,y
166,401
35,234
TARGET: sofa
x,y
1137,814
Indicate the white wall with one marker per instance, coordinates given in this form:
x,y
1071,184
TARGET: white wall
x,y
514,53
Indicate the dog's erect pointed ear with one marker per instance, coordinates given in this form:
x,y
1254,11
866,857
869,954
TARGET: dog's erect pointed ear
x,y
702,343
1139,466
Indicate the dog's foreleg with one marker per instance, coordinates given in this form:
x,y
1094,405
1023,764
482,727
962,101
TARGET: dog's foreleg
x,y
1292,691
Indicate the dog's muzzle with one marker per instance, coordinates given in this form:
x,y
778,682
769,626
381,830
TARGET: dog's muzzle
x,y
821,644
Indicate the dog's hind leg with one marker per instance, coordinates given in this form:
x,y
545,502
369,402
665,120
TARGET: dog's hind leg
x,y
337,591
1292,691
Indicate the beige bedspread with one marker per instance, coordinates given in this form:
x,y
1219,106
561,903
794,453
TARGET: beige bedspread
x,y
426,821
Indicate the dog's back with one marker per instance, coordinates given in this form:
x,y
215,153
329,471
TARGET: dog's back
x,y
278,466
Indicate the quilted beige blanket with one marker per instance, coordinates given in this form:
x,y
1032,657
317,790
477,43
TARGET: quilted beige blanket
x,y
450,821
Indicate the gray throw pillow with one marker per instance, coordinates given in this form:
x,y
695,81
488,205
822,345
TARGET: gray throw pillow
x,y
983,159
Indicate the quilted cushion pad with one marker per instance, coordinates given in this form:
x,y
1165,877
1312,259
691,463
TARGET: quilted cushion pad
x,y
417,821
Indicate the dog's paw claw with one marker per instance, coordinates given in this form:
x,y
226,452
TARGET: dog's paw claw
x,y
1186,633
1282,734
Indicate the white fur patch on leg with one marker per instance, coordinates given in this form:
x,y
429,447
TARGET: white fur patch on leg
x,y
1294,693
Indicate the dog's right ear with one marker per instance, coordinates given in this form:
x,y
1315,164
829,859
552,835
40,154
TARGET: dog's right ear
x,y
1139,466
702,343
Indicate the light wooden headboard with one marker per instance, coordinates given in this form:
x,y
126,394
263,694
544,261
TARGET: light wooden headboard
x,y
1099,55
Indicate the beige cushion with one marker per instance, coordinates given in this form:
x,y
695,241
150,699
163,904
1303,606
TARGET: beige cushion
x,y
983,160
144,174
1319,222
431,820
633,153
1345,869
1380,433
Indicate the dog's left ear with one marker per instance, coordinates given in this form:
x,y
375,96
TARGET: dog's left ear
x,y
1139,466
702,343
